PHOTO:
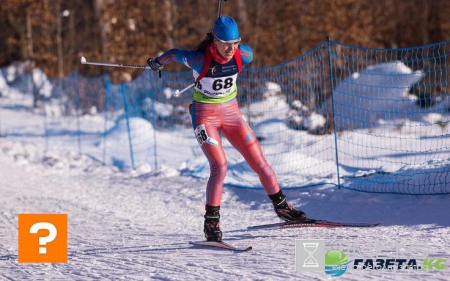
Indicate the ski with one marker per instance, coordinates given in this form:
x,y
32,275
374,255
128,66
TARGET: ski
x,y
222,245
313,223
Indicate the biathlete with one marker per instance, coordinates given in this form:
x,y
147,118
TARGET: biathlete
x,y
216,63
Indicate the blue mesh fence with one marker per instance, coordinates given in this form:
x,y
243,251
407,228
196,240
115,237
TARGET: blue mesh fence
x,y
279,103
373,120
381,97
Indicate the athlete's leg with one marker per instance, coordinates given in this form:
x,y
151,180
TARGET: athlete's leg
x,y
206,120
239,134
237,131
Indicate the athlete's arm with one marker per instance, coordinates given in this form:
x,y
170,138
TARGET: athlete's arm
x,y
246,53
191,59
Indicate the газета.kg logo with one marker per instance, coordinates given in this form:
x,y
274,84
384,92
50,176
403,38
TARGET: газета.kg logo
x,y
335,263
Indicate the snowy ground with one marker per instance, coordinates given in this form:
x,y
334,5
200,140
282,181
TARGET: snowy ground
x,y
136,225
138,228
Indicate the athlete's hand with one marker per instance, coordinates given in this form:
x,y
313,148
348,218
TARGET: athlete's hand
x,y
154,64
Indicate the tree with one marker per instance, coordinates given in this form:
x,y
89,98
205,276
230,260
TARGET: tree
x,y
132,30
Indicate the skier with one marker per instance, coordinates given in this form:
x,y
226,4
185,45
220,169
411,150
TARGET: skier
x,y
216,63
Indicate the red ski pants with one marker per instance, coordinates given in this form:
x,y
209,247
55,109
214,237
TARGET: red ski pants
x,y
208,120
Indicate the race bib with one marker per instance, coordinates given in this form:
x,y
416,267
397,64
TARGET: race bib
x,y
217,87
202,136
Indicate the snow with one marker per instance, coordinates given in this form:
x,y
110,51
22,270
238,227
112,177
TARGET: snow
x,y
136,224
41,82
22,76
384,86
3,84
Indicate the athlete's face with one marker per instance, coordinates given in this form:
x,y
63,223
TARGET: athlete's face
x,y
227,48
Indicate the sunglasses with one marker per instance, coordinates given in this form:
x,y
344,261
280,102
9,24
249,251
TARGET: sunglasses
x,y
228,43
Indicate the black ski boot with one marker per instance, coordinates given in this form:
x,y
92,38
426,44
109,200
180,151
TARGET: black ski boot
x,y
285,211
212,224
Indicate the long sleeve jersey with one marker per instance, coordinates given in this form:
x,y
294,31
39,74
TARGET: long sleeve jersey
x,y
219,83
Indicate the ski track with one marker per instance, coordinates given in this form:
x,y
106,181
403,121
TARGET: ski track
x,y
124,228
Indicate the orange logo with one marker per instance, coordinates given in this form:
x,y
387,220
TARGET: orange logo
x,y
42,238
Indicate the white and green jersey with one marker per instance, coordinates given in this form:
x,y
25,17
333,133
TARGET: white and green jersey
x,y
219,83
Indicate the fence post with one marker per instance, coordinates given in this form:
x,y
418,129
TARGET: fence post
x,y
125,104
77,110
330,74
107,85
155,146
46,122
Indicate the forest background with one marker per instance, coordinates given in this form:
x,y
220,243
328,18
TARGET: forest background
x,y
54,34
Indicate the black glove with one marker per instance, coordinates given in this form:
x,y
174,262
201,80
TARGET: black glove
x,y
154,64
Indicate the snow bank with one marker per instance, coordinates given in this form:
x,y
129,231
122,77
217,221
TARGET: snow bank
x,y
379,92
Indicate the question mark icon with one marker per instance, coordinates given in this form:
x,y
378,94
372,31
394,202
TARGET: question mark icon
x,y
45,239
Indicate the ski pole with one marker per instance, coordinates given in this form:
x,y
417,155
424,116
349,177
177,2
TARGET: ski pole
x,y
178,92
219,12
84,61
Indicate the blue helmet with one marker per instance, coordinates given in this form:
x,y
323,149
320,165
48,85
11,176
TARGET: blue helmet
x,y
226,29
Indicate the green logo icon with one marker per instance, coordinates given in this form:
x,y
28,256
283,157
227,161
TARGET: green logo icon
x,y
335,263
